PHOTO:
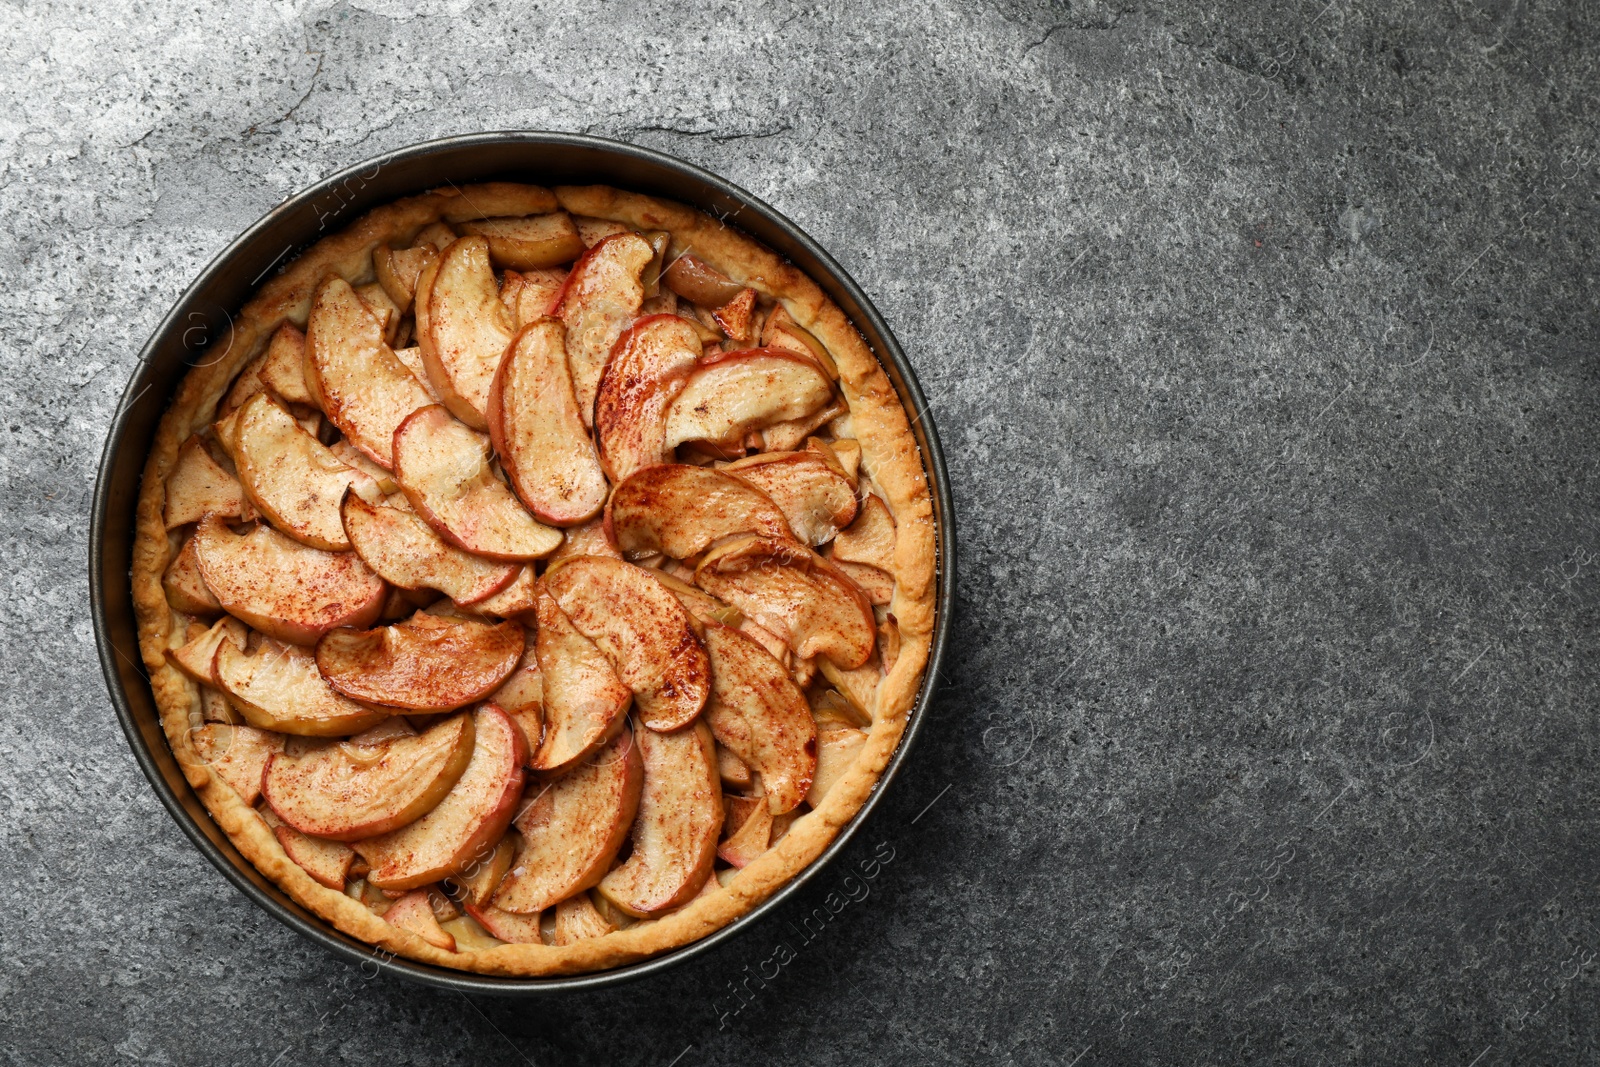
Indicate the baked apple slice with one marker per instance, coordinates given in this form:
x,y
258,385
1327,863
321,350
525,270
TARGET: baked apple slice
x,y
536,242
816,498
584,700
578,920
648,368
537,431
405,552
761,716
837,749
529,294
238,754
521,697
468,330
478,880
291,477
515,600
794,593
283,365
353,790
199,486
731,394
734,317
427,663
869,539
643,629
878,585
357,380
508,926
443,469
195,656
600,298
593,538
675,832
185,588
283,588
466,824
277,687
414,912
752,833
573,829
700,283
397,271
679,510
327,862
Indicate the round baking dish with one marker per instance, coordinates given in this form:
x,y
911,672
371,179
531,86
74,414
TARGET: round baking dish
x,y
204,311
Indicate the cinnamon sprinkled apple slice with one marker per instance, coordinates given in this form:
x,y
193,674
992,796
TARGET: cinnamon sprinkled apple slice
x,y
237,753
277,687
583,699
578,920
643,629
675,831
599,300
535,242
443,468
735,393
350,790
427,663
466,824
199,486
467,330
573,828
758,712
679,509
283,588
405,552
648,369
414,912
537,431
816,497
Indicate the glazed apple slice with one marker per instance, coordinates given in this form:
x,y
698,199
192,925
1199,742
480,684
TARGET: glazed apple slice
x,y
732,394
675,832
816,498
186,590
578,920
283,588
443,469
354,790
194,657
536,242
277,687
837,749
761,716
238,754
600,298
679,510
700,283
291,477
643,629
701,605
405,552
573,828
466,823
870,538
735,316
357,380
537,431
648,368
427,663
199,486
414,912
584,700
794,593
468,330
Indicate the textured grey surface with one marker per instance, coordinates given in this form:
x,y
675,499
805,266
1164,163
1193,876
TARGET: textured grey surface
x,y
1262,342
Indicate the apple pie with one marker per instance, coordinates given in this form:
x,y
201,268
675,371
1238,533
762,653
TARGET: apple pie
x,y
532,581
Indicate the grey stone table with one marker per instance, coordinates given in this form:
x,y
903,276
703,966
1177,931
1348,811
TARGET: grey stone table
x,y
1262,340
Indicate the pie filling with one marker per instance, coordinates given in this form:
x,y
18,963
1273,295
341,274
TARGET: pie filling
x,y
534,590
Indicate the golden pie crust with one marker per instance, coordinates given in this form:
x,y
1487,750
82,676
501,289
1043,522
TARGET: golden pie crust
x,y
889,453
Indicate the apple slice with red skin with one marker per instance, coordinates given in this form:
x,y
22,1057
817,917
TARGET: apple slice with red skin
x,y
508,926
649,367
699,283
291,477
186,590
528,294
466,823
428,663
584,700
735,316
675,831
578,920
359,383
600,298
277,687
195,656
405,552
816,499
468,330
796,594
521,697
643,629
283,588
198,486
535,242
537,432
397,270
443,469
414,912
573,828
352,790
837,749
679,509
759,713
238,754
514,601
327,862
732,394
